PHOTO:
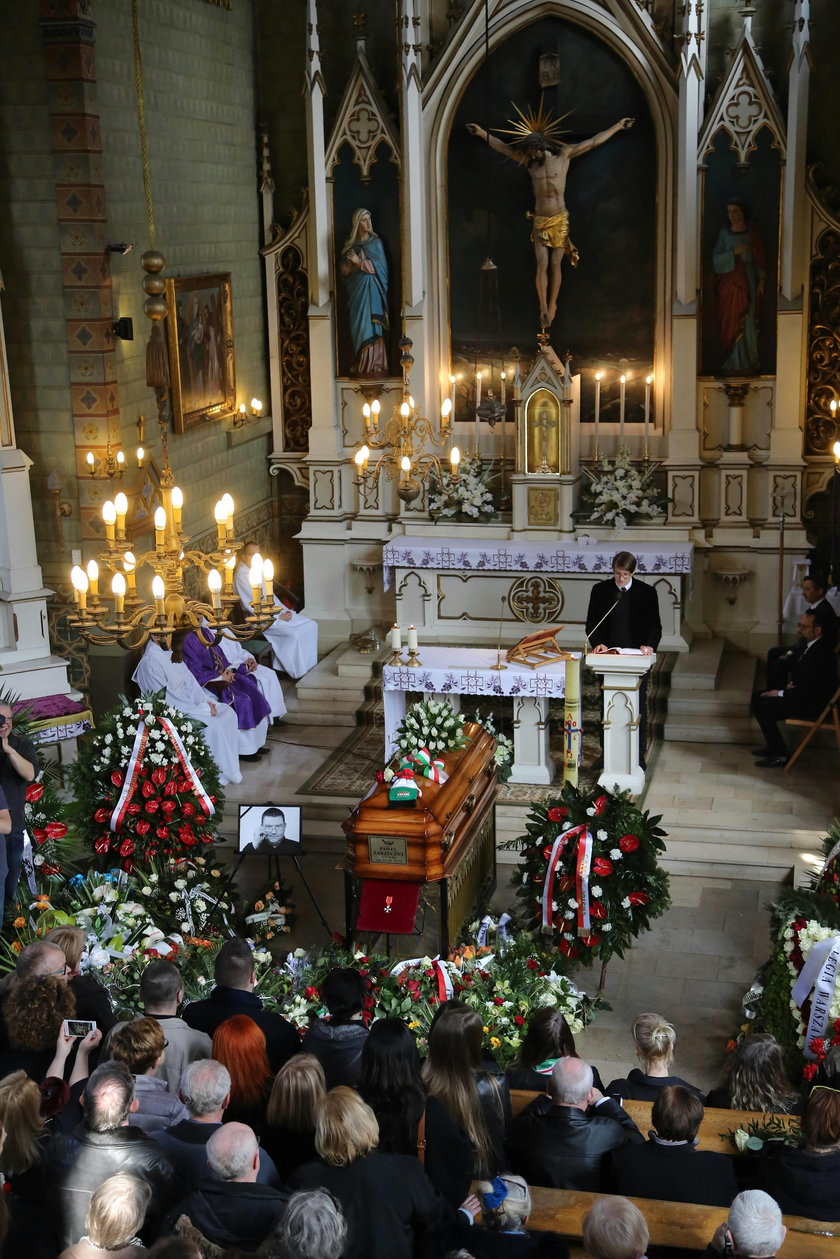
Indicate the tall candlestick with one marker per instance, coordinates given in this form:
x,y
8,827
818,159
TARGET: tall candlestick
x,y
598,376
477,405
621,414
452,394
648,380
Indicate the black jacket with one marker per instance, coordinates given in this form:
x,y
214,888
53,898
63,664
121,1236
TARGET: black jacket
x,y
185,1145
77,1163
638,1087
813,681
562,1147
338,1047
231,1213
643,610
389,1203
674,1173
803,1183
531,1081
449,1154
281,1039
490,1243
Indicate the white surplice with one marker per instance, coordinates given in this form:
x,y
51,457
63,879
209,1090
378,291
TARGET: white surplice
x,y
294,642
158,672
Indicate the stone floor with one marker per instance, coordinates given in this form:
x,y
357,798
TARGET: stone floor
x,y
699,958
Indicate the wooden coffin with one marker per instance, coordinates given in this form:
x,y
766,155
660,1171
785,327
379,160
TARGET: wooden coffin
x,y
425,843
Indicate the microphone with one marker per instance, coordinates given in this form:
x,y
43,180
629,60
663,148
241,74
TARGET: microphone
x,y
621,592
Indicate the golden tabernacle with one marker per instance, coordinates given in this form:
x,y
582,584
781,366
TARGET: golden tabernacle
x,y
446,843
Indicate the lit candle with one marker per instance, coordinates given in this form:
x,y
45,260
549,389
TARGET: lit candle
x,y
228,502
374,411
621,414
598,376
478,389
93,578
268,579
109,515
121,507
177,507
158,591
214,584
141,455
160,529
120,463
454,459
411,638
255,406
446,414
366,414
255,577
78,577
118,591
90,460
243,411
452,394
359,460
230,565
504,385
396,638
130,564
220,514
477,405
648,380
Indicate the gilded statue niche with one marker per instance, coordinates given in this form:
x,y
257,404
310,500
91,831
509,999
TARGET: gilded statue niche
x,y
542,432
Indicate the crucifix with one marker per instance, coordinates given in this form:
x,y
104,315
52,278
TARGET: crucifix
x,y
543,423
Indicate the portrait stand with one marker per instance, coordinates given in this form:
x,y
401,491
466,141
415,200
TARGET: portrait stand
x,y
274,873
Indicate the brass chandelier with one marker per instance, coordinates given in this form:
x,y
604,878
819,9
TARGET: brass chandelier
x,y
402,440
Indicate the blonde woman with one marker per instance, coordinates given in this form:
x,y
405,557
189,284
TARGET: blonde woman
x,y
21,1153
289,1135
114,1218
655,1039
387,1199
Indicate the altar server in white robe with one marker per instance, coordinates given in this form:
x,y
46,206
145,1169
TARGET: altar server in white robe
x,y
267,678
158,672
293,638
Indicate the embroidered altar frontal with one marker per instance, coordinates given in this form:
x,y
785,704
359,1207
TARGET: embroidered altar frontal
x,y
447,843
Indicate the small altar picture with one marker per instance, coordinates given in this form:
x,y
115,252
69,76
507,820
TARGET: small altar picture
x,y
542,433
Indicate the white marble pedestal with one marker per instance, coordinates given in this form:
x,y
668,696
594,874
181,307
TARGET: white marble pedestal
x,y
622,678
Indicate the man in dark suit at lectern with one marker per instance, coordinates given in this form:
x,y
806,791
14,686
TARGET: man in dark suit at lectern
x,y
624,612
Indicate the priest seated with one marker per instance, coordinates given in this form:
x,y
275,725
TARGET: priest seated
x,y
293,638
202,652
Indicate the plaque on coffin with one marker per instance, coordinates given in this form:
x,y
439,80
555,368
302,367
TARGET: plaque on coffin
x,y
447,841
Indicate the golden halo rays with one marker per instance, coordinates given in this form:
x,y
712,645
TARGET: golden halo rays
x,y
535,121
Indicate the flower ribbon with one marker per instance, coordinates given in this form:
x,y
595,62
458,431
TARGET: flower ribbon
x,y
583,862
819,973
132,773
441,969
424,764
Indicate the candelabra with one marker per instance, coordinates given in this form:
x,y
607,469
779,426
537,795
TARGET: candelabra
x,y
109,465
402,440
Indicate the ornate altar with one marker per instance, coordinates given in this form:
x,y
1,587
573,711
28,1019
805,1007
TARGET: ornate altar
x,y
446,844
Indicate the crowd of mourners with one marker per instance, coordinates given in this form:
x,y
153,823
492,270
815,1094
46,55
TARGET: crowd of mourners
x,y
213,1130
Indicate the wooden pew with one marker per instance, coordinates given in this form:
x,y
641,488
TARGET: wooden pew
x,y
712,1135
677,1224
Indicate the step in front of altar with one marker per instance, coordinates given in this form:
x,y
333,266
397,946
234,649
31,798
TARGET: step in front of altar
x,y
737,852
709,700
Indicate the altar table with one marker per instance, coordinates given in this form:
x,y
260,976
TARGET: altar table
x,y
453,672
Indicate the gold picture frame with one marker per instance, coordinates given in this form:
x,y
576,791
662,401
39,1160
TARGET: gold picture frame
x,y
199,335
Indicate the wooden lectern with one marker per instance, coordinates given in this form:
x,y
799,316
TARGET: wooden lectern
x,y
448,841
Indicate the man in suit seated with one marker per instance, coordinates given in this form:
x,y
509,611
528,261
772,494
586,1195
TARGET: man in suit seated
x,y
669,1166
780,660
624,612
813,681
561,1141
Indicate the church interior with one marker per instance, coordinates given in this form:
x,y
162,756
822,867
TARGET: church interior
x,y
454,300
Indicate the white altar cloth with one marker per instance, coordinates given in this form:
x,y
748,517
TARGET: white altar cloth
x,y
457,671
448,553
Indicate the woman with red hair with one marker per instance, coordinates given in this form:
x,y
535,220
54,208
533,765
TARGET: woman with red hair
x,y
240,1046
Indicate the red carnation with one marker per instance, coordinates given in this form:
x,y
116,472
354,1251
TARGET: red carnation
x,y
103,843
597,910
34,792
117,778
188,809
143,828
532,964
628,843
159,776
638,898
518,1020
101,815
56,830
602,866
558,814
148,790
126,847
600,805
817,1046
498,1001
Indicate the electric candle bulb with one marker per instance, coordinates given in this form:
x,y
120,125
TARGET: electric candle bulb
x,y
177,506
158,591
404,409
118,591
230,565
214,583
109,515
160,528
359,459
129,565
78,577
255,579
90,460
141,455
93,578
405,464
120,460
374,410
121,507
255,403
220,513
268,578
446,409
455,458
228,502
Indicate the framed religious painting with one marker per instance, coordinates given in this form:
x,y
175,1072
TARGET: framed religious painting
x,y
199,334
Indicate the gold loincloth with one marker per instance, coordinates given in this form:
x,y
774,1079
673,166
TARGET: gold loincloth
x,y
552,230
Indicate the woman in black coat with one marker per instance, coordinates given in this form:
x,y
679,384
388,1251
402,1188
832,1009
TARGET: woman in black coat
x,y
757,1079
547,1039
654,1038
391,1207
806,1181
390,1083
